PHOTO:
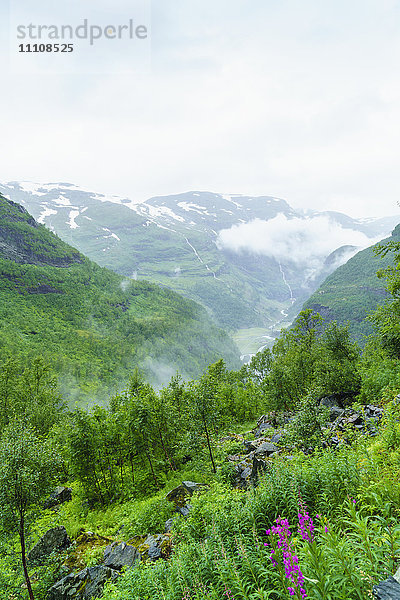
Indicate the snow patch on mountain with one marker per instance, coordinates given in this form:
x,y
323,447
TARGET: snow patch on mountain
x,y
188,206
32,188
72,216
160,211
46,213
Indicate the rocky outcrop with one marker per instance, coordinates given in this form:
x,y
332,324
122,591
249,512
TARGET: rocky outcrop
x,y
54,540
87,583
117,556
364,422
272,426
247,467
84,585
180,494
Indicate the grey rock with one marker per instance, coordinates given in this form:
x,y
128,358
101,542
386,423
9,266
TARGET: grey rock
x,y
331,401
186,488
246,473
177,494
117,556
387,590
396,576
184,510
55,539
168,525
192,486
261,429
266,448
153,544
276,438
60,495
154,553
83,585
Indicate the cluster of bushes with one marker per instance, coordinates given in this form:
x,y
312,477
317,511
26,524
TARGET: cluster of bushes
x,y
340,507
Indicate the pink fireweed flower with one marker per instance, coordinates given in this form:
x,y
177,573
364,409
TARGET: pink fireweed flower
x,y
306,526
290,560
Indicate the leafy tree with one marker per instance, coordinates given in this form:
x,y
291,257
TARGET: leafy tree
x,y
204,405
337,368
387,316
29,390
28,466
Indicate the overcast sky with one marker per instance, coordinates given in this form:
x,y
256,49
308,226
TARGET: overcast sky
x,y
298,99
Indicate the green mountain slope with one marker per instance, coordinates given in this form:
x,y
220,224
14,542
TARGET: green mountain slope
x,y
353,291
93,324
176,241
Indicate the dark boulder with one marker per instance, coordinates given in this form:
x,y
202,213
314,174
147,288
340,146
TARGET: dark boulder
x,y
55,539
60,495
192,486
177,495
187,488
334,400
155,547
86,584
117,556
387,590
266,448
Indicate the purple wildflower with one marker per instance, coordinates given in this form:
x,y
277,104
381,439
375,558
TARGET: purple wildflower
x,y
290,560
306,526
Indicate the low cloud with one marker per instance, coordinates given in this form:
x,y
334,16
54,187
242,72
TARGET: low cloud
x,y
302,241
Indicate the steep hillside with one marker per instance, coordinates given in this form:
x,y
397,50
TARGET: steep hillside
x,y
354,290
93,324
176,241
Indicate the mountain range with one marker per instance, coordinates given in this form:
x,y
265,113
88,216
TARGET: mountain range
x,y
250,261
